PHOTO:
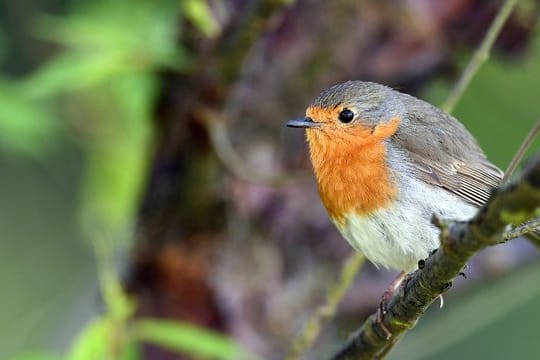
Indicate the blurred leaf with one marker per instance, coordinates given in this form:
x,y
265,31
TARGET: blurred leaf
x,y
118,156
99,339
26,126
130,352
73,71
106,39
92,342
114,48
188,339
36,355
120,306
200,14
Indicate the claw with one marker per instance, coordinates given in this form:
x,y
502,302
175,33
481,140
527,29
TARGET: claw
x,y
447,287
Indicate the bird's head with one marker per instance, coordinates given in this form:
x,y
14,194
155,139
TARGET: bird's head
x,y
351,114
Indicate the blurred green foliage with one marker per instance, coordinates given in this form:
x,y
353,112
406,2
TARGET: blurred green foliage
x,y
198,13
189,339
500,106
27,126
99,91
36,356
103,87
93,343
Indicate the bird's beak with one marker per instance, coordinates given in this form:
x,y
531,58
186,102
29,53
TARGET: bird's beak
x,y
306,122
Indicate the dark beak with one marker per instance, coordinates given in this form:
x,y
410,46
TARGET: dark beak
x,y
303,123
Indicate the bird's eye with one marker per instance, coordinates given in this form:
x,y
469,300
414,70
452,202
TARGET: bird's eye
x,y
346,116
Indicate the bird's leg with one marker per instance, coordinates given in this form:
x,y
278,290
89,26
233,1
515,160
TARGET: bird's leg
x,y
383,304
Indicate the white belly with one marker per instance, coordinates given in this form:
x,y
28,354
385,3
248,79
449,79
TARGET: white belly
x,y
400,236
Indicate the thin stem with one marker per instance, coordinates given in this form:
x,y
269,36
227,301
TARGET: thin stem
x,y
118,307
481,55
334,295
525,145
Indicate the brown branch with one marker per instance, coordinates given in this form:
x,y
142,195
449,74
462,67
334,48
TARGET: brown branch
x,y
459,242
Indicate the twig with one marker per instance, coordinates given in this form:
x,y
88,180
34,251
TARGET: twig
x,y
523,229
530,226
215,125
481,55
459,242
525,145
326,311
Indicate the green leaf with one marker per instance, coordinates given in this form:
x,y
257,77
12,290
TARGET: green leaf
x,y
188,339
92,342
199,13
36,355
118,155
97,340
79,70
71,71
26,126
108,39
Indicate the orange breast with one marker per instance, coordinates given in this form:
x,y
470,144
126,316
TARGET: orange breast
x,y
351,169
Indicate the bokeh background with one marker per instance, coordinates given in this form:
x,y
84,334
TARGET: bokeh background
x,y
146,173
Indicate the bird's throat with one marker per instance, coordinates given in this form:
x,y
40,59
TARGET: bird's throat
x,y
351,169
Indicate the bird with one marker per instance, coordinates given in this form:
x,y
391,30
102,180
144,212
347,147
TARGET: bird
x,y
385,163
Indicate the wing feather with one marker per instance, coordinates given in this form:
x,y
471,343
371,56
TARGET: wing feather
x,y
444,154
472,181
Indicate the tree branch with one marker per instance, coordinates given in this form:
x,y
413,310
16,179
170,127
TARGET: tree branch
x,y
523,229
459,242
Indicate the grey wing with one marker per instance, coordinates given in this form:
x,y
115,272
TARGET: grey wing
x,y
443,153
471,181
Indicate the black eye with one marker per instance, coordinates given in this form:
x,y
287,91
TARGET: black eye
x,y
346,116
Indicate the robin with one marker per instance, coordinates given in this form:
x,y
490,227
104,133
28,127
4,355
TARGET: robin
x,y
385,163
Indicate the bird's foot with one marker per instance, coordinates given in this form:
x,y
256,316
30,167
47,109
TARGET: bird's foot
x,y
382,310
